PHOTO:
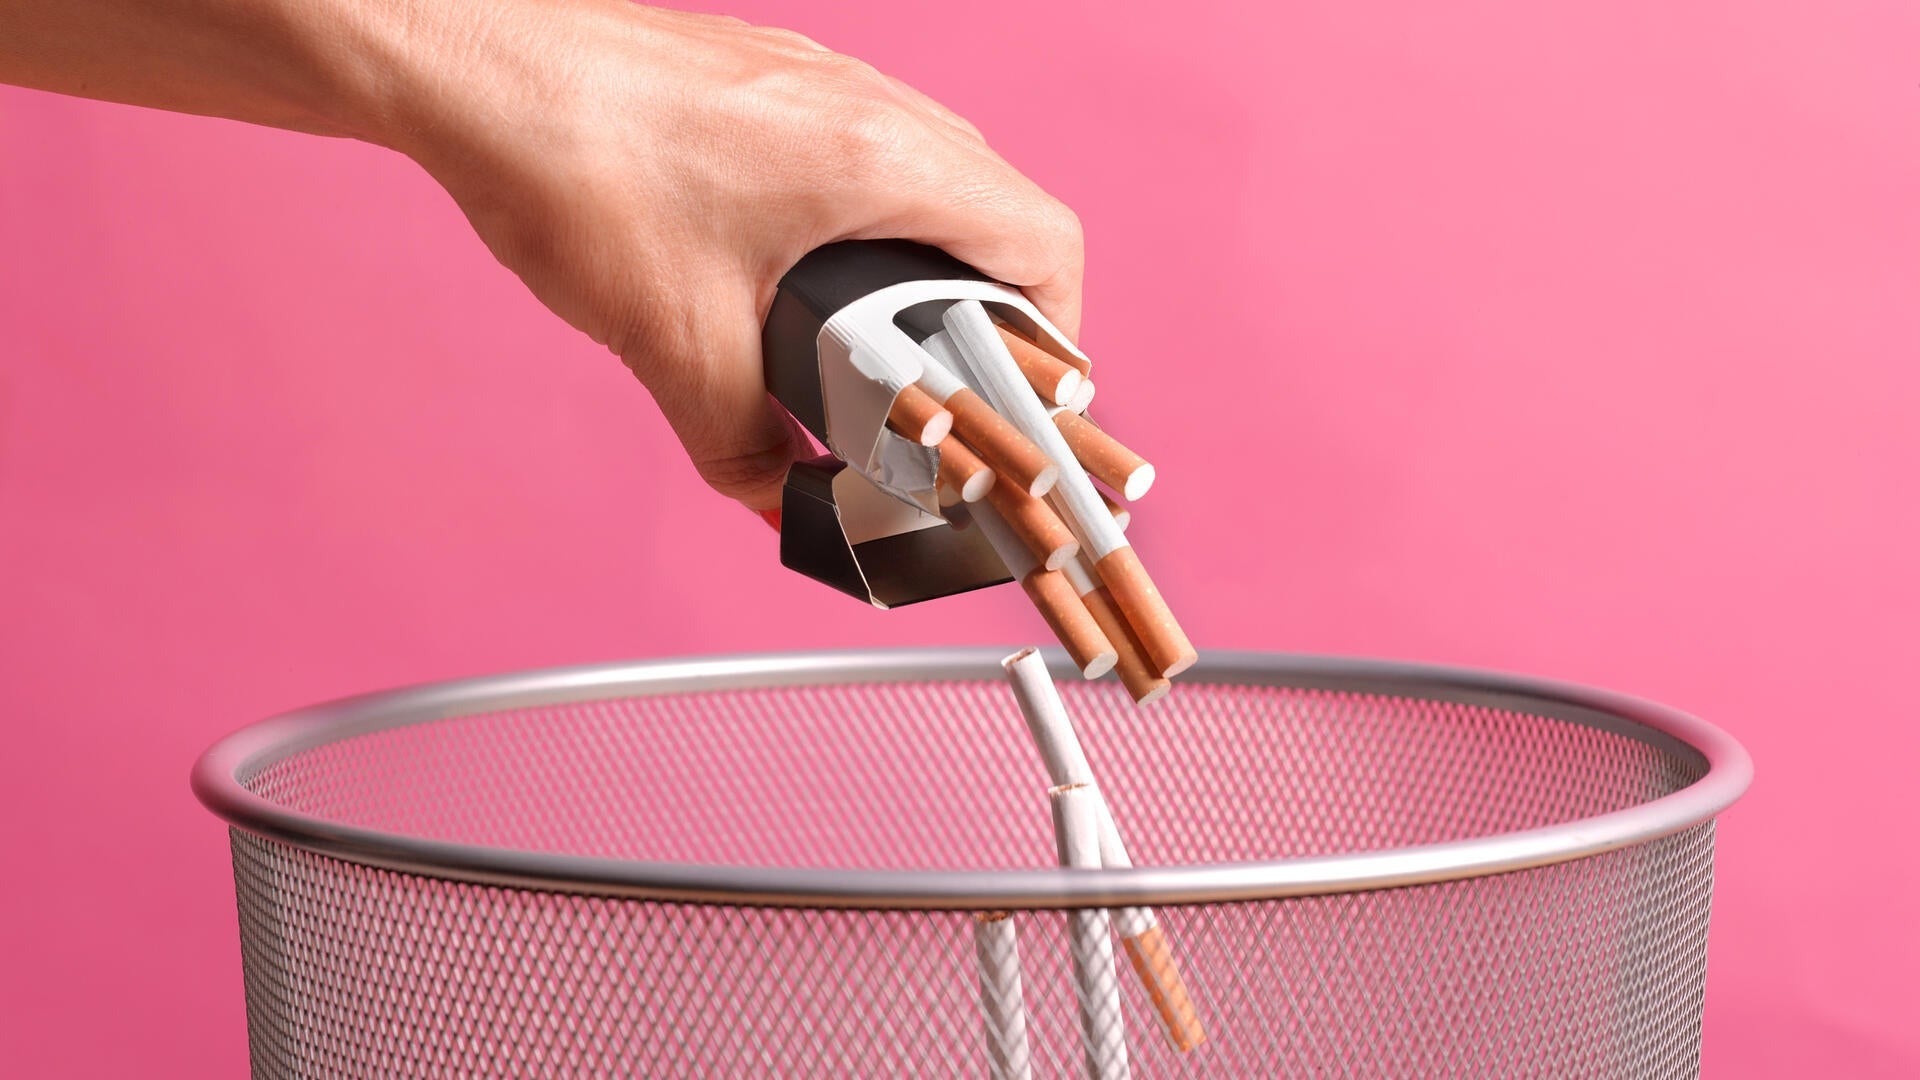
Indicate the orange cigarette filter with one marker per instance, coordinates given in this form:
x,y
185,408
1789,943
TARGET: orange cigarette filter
x,y
963,471
1141,604
1136,672
1103,455
917,416
1083,638
1153,961
1036,524
1016,458
1121,515
1055,380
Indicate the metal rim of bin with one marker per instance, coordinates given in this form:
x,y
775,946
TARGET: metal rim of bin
x,y
216,783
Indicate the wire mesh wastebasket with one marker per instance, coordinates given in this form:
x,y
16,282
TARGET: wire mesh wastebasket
x,y
771,866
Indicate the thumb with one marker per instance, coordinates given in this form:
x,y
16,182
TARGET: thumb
x,y
715,398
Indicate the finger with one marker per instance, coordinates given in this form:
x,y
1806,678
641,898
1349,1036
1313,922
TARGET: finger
x,y
989,216
738,438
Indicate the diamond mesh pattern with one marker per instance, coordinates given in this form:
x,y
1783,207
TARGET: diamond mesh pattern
x,y
1588,968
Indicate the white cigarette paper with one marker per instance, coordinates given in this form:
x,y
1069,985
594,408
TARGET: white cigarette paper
x,y
1006,389
979,343
1066,763
1103,1033
1003,1006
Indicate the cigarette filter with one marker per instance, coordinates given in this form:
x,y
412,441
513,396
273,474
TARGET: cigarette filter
x,y
979,342
1104,456
1083,398
963,471
1136,672
1003,1006
1103,1033
1036,524
1051,377
1012,455
918,417
1053,595
1152,961
1139,601
1122,516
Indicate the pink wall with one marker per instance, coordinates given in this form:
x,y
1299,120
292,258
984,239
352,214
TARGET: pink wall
x,y
1571,339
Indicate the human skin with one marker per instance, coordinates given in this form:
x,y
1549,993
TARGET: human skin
x,y
649,174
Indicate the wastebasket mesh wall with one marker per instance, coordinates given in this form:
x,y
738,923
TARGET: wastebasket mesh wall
x,y
1592,967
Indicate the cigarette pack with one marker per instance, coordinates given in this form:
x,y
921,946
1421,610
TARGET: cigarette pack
x,y
841,341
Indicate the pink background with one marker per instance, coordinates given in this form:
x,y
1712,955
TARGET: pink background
x,y
1577,340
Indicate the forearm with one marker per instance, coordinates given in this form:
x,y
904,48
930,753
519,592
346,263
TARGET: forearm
x,y
334,67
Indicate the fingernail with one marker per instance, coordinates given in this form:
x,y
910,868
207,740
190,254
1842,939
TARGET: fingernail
x,y
771,517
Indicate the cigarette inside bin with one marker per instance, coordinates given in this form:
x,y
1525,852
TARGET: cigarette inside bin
x,y
1003,1007
1153,962
1076,830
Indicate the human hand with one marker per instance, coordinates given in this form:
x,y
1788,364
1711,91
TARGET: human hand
x,y
652,174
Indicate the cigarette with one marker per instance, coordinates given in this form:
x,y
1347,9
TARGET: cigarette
x,y
1103,1033
1103,455
1141,604
1152,960
1066,763
917,416
1122,516
1003,1006
1136,672
1010,454
1054,379
1066,615
1082,399
1051,542
962,471
1133,591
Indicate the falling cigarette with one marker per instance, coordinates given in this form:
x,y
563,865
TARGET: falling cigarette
x,y
1010,454
1130,657
1055,380
917,416
1133,591
1103,455
1121,515
1036,524
1066,615
1103,1033
1066,764
1003,1006
963,471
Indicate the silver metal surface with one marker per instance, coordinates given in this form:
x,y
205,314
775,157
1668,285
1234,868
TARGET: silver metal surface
x,y
1726,767
769,867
